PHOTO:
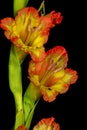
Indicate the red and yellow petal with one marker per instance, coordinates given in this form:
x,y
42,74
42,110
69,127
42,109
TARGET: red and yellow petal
x,y
57,51
37,54
47,124
36,68
35,80
71,76
60,86
8,24
56,18
48,93
54,78
27,19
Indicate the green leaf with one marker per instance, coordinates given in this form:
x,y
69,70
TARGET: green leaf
x,y
19,119
19,4
15,83
31,97
30,115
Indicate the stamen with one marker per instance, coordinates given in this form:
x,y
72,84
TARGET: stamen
x,y
42,8
53,67
29,23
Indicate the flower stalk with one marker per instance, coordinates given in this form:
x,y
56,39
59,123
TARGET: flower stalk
x,y
15,84
30,100
19,4
47,71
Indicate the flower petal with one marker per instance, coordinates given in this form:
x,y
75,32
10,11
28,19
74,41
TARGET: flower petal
x,y
27,17
61,86
37,54
49,94
70,76
47,124
56,18
7,24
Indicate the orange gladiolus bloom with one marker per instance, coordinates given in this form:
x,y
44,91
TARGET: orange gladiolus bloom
x,y
52,75
47,124
29,31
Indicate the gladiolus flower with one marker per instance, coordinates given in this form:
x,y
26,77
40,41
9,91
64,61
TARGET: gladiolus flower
x,y
47,124
29,31
52,75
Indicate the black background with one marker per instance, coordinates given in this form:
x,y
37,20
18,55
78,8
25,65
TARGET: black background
x,y
67,108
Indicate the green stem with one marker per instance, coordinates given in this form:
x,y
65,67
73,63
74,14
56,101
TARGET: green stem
x,y
19,4
31,98
30,115
15,84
